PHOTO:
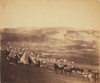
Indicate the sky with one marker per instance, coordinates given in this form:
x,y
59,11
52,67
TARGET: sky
x,y
78,14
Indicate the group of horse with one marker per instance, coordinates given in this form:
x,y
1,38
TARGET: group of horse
x,y
85,73
66,68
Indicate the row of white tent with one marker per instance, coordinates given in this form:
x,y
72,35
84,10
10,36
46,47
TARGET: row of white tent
x,y
28,55
24,58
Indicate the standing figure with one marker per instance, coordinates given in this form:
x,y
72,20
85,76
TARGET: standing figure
x,y
55,67
38,65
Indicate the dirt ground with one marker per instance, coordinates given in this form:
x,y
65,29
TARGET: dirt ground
x,y
19,73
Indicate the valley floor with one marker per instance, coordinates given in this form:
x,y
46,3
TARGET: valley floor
x,y
18,73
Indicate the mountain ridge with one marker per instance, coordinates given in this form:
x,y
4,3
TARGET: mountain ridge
x,y
49,34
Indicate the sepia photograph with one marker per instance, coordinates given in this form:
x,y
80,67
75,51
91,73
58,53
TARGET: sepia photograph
x,y
49,41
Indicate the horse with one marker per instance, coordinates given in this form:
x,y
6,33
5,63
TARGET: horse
x,y
68,69
79,69
95,75
57,68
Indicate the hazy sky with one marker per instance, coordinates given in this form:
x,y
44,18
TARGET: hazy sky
x,y
50,13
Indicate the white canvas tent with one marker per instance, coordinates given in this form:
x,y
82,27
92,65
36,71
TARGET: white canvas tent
x,y
12,53
25,58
